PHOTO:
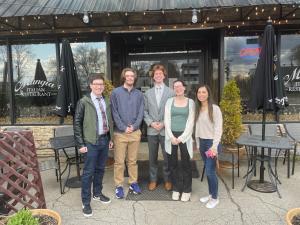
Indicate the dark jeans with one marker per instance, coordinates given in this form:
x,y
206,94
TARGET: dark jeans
x,y
93,171
210,167
153,144
181,180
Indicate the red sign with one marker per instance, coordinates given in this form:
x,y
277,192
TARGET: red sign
x,y
250,52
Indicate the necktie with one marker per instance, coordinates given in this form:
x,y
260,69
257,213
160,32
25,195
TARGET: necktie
x,y
104,122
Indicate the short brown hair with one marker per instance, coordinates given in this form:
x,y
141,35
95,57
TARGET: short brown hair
x,y
96,76
158,67
126,70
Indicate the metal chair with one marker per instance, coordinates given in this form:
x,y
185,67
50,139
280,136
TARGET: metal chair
x,y
292,131
234,162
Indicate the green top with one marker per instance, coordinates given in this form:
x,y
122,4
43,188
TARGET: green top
x,y
179,117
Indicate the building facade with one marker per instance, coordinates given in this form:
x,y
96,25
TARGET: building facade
x,y
197,42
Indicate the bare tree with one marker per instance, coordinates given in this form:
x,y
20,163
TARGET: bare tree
x,y
22,55
89,60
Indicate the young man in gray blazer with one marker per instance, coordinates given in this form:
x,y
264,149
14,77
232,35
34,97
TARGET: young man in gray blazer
x,y
155,100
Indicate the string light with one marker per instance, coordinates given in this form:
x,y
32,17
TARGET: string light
x,y
237,9
194,16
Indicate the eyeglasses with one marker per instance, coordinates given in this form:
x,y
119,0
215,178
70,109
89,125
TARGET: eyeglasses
x,y
96,84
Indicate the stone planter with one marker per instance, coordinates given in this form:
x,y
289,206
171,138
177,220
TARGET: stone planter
x,y
47,212
290,214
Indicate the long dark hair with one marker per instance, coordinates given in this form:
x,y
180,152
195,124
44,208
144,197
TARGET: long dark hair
x,y
210,102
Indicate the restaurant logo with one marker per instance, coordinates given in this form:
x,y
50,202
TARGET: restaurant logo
x,y
35,88
291,77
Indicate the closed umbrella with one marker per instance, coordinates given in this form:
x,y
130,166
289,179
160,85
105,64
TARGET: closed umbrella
x,y
68,85
68,94
267,84
267,90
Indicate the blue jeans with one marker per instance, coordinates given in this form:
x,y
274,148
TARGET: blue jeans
x,y
93,171
210,167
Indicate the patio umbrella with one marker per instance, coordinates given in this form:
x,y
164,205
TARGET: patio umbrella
x,y
68,94
267,84
39,75
68,85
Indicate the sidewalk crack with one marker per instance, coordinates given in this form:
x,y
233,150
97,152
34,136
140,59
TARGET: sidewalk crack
x,y
232,200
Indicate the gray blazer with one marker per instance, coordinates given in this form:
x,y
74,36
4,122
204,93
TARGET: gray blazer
x,y
153,112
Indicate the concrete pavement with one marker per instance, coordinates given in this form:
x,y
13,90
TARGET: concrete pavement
x,y
235,208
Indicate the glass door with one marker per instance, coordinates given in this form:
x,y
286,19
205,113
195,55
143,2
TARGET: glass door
x,y
184,65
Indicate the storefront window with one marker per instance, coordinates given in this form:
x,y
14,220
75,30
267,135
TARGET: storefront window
x,y
290,69
241,55
4,87
35,85
90,58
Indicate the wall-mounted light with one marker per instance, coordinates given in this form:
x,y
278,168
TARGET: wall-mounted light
x,y
85,18
194,16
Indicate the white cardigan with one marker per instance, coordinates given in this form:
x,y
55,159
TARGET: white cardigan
x,y
186,136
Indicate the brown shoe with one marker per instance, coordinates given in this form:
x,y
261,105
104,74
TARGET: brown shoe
x,y
168,186
152,186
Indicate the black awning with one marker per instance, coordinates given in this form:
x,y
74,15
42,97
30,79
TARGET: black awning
x,y
58,7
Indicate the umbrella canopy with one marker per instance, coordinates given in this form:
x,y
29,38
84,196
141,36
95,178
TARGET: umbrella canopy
x,y
68,85
267,84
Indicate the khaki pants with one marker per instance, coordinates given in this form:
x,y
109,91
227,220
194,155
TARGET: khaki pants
x,y
126,147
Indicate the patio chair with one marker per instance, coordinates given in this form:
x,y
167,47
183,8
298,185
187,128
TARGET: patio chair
x,y
69,153
292,131
232,157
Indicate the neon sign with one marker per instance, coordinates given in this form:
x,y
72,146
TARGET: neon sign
x,y
250,53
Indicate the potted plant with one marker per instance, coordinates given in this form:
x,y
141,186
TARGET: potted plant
x,y
107,92
33,217
293,216
232,120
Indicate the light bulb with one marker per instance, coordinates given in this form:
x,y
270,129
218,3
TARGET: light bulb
x,y
194,17
86,18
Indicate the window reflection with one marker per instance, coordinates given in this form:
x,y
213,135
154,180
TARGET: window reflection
x,y
35,84
241,55
290,69
90,58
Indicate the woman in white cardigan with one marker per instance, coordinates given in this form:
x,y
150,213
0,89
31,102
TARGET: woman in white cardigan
x,y
179,123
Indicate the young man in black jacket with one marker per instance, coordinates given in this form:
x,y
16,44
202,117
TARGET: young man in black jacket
x,y
92,130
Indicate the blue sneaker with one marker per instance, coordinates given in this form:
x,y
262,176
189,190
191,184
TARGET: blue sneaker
x,y
135,189
119,192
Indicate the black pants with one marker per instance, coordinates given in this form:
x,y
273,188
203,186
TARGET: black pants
x,y
181,177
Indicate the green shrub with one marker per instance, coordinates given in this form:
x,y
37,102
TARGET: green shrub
x,y
23,217
231,110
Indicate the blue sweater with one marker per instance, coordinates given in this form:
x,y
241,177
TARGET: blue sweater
x,y
127,108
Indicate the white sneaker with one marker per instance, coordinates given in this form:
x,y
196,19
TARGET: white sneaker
x,y
205,199
185,197
175,195
212,203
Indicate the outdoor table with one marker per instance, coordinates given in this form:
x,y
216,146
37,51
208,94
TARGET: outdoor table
x,y
271,143
62,142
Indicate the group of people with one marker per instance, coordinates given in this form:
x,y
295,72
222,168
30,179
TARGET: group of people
x,y
172,118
